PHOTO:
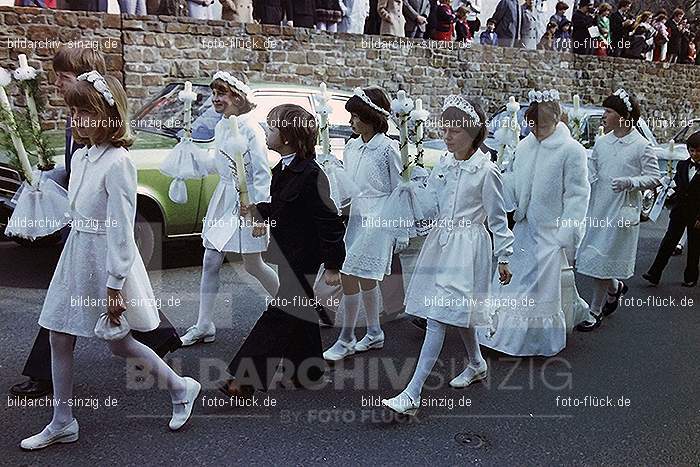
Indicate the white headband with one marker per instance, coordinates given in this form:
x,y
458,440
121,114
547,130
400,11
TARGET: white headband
x,y
551,95
624,97
99,83
460,103
234,82
361,94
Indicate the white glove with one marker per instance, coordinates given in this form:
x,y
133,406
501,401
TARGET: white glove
x,y
621,184
400,244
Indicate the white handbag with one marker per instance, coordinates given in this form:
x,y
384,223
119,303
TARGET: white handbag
x,y
105,329
629,212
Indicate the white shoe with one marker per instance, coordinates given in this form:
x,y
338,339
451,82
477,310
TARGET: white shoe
x,y
470,375
182,410
370,342
67,434
340,350
194,335
402,404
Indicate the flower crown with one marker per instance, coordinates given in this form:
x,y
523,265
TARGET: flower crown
x,y
551,95
624,97
361,94
99,83
460,103
234,82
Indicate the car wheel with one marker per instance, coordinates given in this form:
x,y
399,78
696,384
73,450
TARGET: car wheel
x,y
149,240
648,200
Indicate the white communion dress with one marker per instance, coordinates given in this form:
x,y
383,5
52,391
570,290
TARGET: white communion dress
x,y
550,190
375,168
451,282
609,247
223,229
100,251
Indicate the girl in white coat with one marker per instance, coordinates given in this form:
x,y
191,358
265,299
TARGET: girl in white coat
x,y
549,189
223,231
452,279
621,166
374,163
100,269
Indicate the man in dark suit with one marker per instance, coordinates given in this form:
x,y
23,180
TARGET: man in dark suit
x,y
581,20
68,63
306,231
685,215
617,20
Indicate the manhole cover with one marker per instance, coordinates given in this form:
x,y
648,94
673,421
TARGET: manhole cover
x,y
470,440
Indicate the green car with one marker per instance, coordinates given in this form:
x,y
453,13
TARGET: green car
x,y
158,127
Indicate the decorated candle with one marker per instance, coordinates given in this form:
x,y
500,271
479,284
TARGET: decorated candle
x,y
238,158
16,140
323,121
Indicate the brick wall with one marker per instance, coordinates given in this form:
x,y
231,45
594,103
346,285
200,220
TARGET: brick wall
x,y
147,52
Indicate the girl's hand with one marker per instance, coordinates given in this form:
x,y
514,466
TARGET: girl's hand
x,y
115,305
332,277
504,274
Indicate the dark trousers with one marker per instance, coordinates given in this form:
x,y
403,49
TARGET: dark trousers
x,y
287,332
162,340
676,227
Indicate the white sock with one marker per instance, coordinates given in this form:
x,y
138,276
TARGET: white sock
x,y
130,348
471,343
209,287
62,377
429,353
600,289
370,298
613,285
351,308
256,267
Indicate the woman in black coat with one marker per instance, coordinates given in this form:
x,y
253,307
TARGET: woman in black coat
x,y
272,11
306,232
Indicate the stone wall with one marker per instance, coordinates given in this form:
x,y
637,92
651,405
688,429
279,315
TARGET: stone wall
x,y
148,52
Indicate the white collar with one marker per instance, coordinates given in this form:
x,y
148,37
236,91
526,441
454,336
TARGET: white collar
x,y
471,165
373,143
286,160
94,152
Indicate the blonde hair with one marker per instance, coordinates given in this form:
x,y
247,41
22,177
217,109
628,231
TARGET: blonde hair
x,y
114,126
222,86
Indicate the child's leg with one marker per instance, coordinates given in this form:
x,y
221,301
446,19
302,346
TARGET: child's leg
x,y
211,265
429,353
256,267
600,289
668,244
613,286
691,266
62,376
471,343
371,300
350,305
128,347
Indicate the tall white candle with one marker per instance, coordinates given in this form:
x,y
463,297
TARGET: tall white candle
x,y
577,104
22,61
324,134
16,140
240,165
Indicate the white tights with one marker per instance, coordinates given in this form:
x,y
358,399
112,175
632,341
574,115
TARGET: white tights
x,y
211,266
601,289
128,347
429,353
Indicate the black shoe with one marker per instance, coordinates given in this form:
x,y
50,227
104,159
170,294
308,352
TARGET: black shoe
x,y
231,388
587,326
610,307
420,323
387,317
689,284
651,279
677,251
32,388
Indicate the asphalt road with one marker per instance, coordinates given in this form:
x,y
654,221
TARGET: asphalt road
x,y
642,365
